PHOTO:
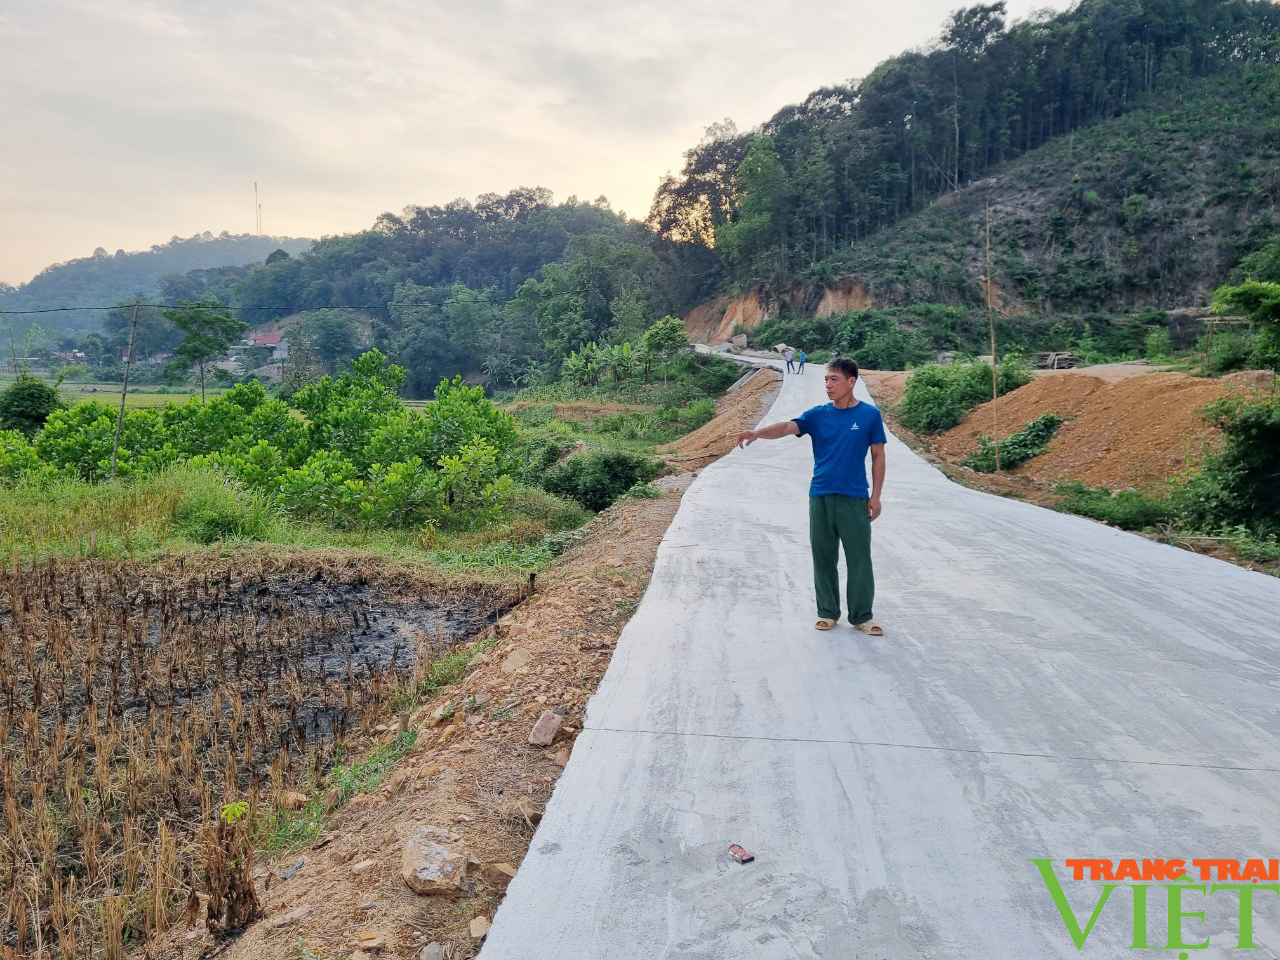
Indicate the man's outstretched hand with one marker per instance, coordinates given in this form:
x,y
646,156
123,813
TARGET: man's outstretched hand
x,y
747,437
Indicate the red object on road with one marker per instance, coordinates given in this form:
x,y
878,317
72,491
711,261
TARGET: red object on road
x,y
740,854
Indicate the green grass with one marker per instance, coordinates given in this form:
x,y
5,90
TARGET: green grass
x,y
194,509
283,831
145,395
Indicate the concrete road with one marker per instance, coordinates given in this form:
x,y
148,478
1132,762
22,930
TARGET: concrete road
x,y
1048,688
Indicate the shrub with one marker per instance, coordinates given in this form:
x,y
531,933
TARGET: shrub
x,y
1238,484
539,450
461,415
1031,441
598,478
27,403
1159,345
895,349
325,488
17,457
1128,509
1227,351
938,397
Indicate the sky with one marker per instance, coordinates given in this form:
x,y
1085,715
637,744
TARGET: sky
x,y
126,124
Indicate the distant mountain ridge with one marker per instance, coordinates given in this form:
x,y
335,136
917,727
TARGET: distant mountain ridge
x,y
103,279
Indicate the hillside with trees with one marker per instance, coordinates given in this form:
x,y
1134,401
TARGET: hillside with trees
x,y
1126,149
103,278
855,181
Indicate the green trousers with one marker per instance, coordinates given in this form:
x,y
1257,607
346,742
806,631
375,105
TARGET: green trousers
x,y
833,520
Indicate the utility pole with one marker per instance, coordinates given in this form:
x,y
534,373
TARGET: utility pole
x,y
995,360
128,361
257,210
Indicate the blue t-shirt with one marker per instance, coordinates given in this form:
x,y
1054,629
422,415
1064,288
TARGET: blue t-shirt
x,y
841,441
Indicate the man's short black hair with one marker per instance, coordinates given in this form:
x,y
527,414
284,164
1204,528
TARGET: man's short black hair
x,y
845,365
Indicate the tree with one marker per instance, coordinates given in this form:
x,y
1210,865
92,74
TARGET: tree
x,y
666,335
422,344
27,403
1260,303
94,347
208,330
156,333
334,334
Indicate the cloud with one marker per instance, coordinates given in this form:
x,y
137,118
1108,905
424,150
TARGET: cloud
x,y
137,121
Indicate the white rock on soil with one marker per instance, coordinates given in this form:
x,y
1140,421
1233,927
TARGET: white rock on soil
x,y
429,867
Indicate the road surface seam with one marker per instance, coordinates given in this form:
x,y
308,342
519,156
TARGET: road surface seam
x,y
940,749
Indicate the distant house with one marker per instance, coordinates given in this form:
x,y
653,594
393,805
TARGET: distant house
x,y
69,356
155,360
276,341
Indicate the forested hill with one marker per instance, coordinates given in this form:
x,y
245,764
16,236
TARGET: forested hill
x,y
828,186
104,279
1149,210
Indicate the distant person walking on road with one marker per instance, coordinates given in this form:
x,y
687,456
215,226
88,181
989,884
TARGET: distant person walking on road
x,y
841,506
800,359
791,356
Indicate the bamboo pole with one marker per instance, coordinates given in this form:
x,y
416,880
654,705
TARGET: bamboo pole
x,y
995,360
124,392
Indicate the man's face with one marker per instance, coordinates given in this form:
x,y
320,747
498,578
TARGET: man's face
x,y
839,387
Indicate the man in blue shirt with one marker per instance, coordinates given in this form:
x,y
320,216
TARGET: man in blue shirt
x,y
841,503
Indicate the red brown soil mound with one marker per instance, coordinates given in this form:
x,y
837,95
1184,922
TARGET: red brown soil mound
x,y
738,410
1136,432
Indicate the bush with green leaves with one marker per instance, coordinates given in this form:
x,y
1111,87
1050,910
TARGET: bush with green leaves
x,y
326,488
78,441
1016,449
26,404
598,478
938,396
1225,351
1127,509
344,412
1159,345
18,458
877,339
541,448
1238,484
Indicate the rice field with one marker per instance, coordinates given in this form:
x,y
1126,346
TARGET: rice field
x,y
149,714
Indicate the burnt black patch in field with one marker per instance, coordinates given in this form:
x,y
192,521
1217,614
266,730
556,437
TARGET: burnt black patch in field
x,y
136,700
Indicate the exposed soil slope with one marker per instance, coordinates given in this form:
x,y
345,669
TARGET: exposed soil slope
x,y
739,409
1136,432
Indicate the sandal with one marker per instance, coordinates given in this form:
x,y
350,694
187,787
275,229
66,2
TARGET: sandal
x,y
870,628
825,623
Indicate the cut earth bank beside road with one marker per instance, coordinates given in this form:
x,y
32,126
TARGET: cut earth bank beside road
x,y
474,784
1125,426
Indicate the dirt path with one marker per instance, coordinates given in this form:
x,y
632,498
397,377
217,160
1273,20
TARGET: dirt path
x,y
473,781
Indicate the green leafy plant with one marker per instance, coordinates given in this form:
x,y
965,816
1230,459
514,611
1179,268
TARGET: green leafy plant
x,y
26,404
1016,449
598,478
938,396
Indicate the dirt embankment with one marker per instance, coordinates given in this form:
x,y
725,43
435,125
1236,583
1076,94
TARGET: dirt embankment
x,y
739,409
717,320
474,782
1122,429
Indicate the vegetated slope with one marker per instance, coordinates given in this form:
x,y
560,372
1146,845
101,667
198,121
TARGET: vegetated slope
x,y
1137,432
104,279
1150,209
785,200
